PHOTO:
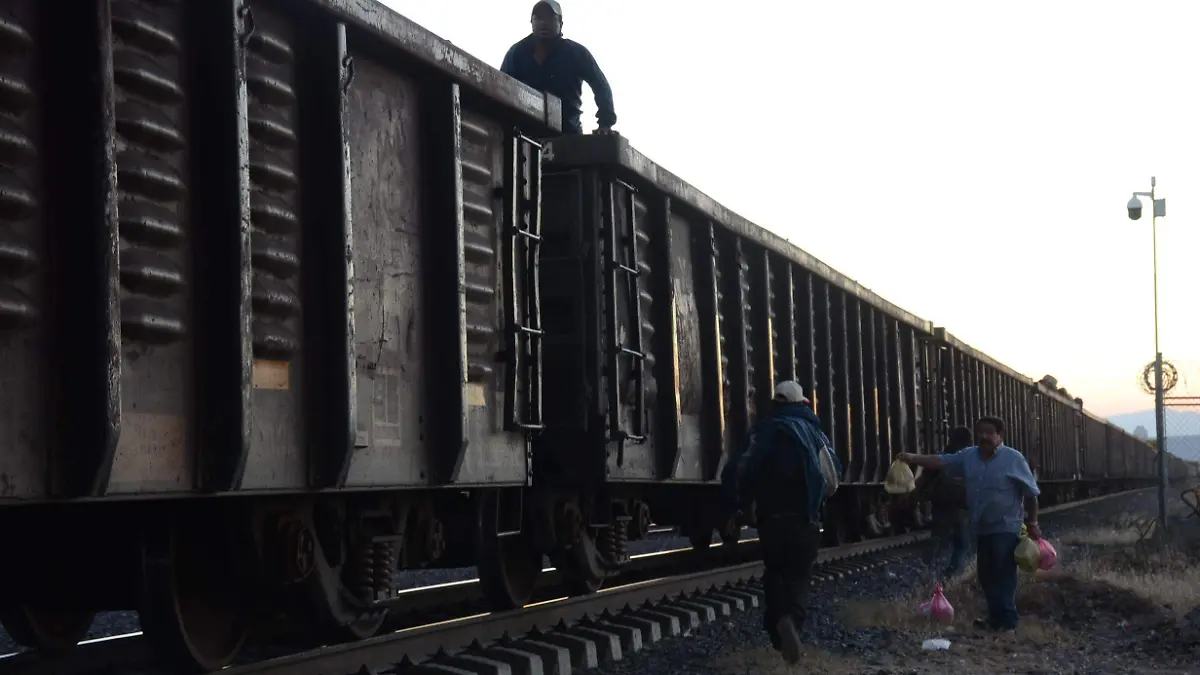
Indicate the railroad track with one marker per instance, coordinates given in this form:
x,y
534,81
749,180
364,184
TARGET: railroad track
x,y
659,595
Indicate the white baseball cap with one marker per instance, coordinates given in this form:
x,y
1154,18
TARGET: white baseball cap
x,y
790,392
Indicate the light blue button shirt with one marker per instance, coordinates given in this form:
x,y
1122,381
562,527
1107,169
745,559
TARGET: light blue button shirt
x,y
996,488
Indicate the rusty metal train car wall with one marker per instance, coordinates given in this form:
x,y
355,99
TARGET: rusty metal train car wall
x,y
308,254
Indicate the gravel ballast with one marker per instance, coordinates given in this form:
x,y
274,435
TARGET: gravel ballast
x,y
707,650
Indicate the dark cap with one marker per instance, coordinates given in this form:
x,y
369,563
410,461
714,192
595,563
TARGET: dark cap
x,y
554,7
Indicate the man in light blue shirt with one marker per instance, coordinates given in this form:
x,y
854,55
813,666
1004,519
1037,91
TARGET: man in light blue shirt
x,y
1001,495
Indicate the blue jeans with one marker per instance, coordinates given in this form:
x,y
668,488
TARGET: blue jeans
x,y
997,572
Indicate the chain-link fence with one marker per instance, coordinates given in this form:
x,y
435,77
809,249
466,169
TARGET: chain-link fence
x,y
1181,426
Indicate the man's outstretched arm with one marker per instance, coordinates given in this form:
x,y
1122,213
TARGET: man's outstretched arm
x,y
933,462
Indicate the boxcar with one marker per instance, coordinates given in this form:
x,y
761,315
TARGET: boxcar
x,y
669,318
1095,452
698,313
673,318
262,248
1041,421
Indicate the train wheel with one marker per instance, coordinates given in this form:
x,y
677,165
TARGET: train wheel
x,y
509,565
833,531
363,629
575,566
578,584
639,525
730,532
699,530
190,610
46,630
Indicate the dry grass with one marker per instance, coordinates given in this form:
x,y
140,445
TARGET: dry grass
x,y
1114,586
1169,580
900,614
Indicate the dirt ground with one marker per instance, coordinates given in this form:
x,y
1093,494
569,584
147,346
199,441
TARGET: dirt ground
x,y
1121,600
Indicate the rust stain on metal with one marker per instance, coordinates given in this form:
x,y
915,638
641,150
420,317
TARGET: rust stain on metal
x,y
273,375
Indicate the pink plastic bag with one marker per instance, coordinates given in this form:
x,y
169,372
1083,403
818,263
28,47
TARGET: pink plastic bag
x,y
938,608
1049,557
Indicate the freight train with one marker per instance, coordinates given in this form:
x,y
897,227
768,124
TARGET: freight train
x,y
294,294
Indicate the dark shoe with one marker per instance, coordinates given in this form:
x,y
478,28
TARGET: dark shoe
x,y
981,623
790,639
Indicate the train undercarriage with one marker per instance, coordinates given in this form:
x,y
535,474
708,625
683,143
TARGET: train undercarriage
x,y
204,575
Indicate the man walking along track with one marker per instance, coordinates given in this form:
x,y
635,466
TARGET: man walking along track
x,y
1001,490
779,471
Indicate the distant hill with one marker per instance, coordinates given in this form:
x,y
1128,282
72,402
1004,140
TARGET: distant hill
x,y
1183,429
1184,447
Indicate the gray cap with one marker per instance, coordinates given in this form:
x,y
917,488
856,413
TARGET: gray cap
x,y
790,391
554,6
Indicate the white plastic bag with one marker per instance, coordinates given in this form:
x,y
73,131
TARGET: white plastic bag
x,y
828,469
900,479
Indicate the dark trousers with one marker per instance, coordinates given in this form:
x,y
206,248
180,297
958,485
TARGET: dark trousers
x,y
997,572
789,546
950,533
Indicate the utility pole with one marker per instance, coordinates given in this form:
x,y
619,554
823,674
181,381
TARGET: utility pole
x,y
1158,208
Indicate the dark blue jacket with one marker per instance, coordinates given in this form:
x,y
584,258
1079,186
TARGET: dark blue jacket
x,y
777,465
567,66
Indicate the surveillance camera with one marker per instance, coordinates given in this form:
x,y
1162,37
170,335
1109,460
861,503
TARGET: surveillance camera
x,y
1135,208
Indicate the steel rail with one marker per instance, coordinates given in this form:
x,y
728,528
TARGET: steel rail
x,y
421,643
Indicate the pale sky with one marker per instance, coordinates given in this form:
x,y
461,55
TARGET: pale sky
x,y
968,161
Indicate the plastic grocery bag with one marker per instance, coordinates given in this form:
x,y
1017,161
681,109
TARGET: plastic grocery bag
x,y
1048,557
938,608
1028,554
900,479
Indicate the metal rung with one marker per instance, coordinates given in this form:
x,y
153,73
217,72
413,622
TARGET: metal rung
x,y
615,244
522,255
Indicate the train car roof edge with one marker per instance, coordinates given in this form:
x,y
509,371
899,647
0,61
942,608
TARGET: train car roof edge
x,y
943,335
617,151
440,54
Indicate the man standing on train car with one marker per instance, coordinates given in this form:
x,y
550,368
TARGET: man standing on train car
x,y
549,62
778,471
1001,490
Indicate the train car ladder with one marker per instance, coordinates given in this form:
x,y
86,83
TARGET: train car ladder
x,y
616,349
522,286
